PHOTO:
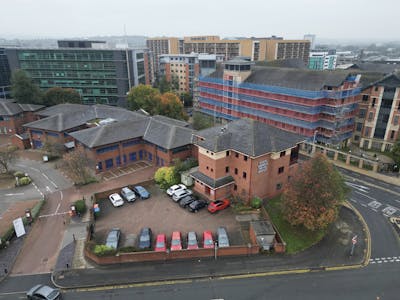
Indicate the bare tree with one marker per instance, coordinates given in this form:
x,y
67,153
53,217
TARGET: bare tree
x,y
79,166
7,156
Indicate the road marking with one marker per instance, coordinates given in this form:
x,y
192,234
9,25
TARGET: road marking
x,y
351,199
32,168
61,195
362,204
361,188
16,194
58,207
375,204
389,210
54,215
369,197
48,189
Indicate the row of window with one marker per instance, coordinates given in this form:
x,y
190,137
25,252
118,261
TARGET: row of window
x,y
133,156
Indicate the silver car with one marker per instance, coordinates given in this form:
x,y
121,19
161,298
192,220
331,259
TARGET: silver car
x,y
42,291
113,238
222,236
181,194
128,194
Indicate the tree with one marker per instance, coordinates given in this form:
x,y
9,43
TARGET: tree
x,y
144,97
171,106
53,149
58,95
168,86
187,99
202,121
166,177
7,156
396,152
23,90
78,166
314,195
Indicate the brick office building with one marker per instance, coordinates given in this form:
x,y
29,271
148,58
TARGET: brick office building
x,y
14,115
244,158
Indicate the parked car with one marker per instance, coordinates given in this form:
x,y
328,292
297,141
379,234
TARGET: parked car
x,y
42,291
141,192
181,194
184,202
208,241
128,194
218,205
161,243
176,241
177,187
145,238
113,238
196,205
192,241
222,236
116,200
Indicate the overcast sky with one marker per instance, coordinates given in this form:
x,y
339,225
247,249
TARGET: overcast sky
x,y
338,19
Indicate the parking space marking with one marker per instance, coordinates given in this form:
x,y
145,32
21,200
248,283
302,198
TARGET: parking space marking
x,y
375,204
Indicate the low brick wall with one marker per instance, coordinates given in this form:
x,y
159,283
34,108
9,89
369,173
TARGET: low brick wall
x,y
172,255
105,194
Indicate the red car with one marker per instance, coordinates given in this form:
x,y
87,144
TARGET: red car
x,y
161,243
176,241
208,241
218,205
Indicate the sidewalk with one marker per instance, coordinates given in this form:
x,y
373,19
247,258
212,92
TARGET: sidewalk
x,y
332,251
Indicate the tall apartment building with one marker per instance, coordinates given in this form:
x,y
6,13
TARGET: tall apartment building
x,y
270,48
98,75
320,105
183,68
311,38
163,45
5,75
377,122
322,60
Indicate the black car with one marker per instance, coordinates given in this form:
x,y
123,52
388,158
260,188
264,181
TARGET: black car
x,y
195,206
187,200
145,238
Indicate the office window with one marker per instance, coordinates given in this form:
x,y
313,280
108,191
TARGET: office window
x,y
392,134
376,89
245,158
236,155
279,186
396,120
244,175
373,102
226,169
227,153
283,153
359,126
280,170
365,97
212,170
236,171
370,116
235,187
361,113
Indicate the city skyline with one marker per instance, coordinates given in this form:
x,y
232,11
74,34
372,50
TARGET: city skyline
x,y
290,19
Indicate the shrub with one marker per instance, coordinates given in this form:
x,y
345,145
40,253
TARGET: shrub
x,y
103,250
256,202
24,181
19,174
7,236
166,177
80,206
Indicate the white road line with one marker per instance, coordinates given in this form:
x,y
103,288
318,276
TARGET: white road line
x,y
379,262
351,199
16,194
58,207
34,169
362,204
61,195
369,197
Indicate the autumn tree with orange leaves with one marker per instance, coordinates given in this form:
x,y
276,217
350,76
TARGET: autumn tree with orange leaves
x,y
314,195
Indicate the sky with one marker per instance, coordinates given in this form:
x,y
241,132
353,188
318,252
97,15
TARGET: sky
x,y
336,20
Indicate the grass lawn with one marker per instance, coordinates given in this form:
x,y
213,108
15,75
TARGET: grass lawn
x,y
297,238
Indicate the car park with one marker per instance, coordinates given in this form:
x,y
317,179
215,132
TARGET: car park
x,y
218,205
175,188
192,241
176,241
141,192
184,202
42,291
116,200
145,238
196,205
222,237
113,238
208,241
181,194
161,243
128,194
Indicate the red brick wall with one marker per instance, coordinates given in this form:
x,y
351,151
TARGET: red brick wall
x,y
21,144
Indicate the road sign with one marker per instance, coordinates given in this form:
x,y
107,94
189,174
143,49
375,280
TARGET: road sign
x,y
354,240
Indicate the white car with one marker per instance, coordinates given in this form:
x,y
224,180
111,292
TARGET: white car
x,y
116,200
181,194
175,188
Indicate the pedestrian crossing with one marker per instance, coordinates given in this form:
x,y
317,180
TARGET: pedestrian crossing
x,y
382,260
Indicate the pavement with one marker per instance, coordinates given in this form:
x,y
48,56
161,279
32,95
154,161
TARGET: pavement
x,y
332,252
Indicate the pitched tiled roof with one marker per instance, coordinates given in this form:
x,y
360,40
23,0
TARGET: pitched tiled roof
x,y
247,136
8,108
171,121
212,182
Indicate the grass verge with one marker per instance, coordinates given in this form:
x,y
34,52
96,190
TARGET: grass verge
x,y
297,238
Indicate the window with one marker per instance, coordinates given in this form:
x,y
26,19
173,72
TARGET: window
x,y
283,153
227,153
226,169
106,149
212,170
235,187
396,120
207,167
279,186
367,131
52,134
362,113
236,171
236,155
245,158
131,143
392,134
370,116
280,170
373,102
359,126
365,97
244,175
376,88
